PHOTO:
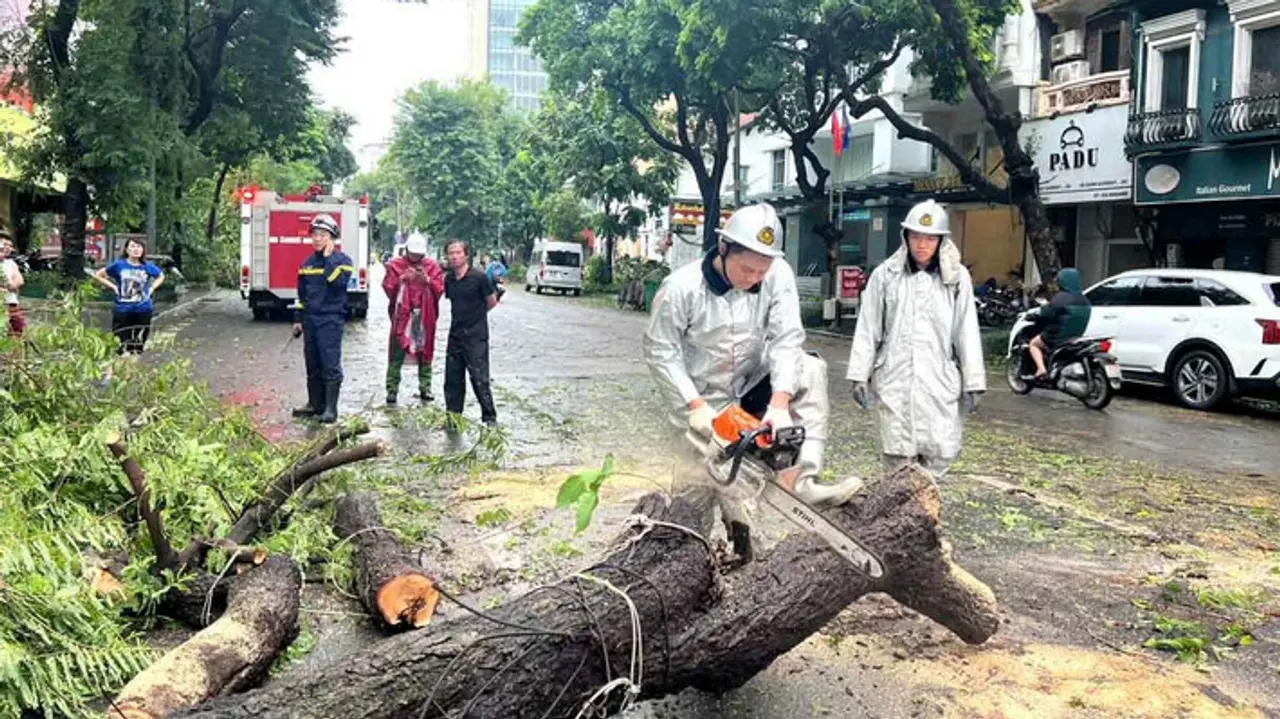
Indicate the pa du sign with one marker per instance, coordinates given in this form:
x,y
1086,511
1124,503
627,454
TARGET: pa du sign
x,y
1080,156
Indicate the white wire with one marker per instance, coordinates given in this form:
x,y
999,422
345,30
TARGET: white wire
x,y
636,673
647,523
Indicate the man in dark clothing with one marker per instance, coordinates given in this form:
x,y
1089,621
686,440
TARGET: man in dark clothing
x,y
1065,318
471,296
322,310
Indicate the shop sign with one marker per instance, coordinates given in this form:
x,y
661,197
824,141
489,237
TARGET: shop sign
x,y
1079,158
1209,175
852,280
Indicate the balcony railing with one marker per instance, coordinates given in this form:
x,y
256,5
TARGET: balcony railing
x,y
1107,88
1246,116
1163,127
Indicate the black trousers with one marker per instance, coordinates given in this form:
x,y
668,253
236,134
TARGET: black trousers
x,y
468,356
133,329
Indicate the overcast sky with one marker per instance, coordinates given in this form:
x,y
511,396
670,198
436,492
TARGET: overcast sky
x,y
391,46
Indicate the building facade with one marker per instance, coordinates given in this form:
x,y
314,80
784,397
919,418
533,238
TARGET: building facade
x,y
1079,115
1205,133
495,55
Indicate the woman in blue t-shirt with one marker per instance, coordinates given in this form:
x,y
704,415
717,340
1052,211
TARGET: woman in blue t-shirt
x,y
134,281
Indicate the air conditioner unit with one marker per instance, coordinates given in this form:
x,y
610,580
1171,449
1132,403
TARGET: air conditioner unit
x,y
1066,46
1070,72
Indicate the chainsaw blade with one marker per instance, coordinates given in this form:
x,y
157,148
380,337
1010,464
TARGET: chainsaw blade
x,y
807,518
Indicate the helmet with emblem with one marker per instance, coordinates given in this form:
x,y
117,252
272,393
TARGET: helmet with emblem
x,y
756,228
927,218
327,223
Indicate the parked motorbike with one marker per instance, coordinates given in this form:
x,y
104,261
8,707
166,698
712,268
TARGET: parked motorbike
x,y
1082,368
998,307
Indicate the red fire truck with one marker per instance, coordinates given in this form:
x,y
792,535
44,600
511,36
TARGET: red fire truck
x,y
275,235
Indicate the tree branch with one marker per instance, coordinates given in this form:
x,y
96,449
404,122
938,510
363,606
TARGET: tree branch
x,y
207,76
58,35
624,97
906,130
165,556
957,35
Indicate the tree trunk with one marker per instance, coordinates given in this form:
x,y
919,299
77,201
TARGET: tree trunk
x,y
231,655
211,226
682,624
390,583
75,214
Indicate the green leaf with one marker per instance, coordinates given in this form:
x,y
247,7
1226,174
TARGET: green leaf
x,y
572,488
586,507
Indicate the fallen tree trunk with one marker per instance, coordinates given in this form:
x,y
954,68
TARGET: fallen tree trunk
x,y
392,586
651,620
231,655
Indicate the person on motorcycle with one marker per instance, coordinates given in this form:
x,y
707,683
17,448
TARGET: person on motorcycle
x,y
916,350
727,331
1065,318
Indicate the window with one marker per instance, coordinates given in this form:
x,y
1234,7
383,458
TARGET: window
x,y
1173,60
744,178
779,170
1218,294
1170,292
1256,69
1120,292
1107,43
1177,70
1264,65
1273,290
560,258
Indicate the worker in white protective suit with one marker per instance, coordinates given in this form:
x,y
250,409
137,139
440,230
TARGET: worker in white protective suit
x,y
917,354
727,331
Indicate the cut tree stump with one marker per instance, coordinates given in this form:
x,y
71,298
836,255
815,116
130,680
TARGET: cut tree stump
x,y
230,655
681,625
392,586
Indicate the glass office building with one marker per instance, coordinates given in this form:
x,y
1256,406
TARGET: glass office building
x,y
508,66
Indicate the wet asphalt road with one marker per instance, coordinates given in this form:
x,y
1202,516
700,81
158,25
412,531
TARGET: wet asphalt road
x,y
570,386
542,346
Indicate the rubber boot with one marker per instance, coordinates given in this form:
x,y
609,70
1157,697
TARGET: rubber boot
x,y
315,400
330,402
827,495
391,398
740,536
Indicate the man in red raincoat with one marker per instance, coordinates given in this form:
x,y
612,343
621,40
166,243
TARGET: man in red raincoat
x,y
414,285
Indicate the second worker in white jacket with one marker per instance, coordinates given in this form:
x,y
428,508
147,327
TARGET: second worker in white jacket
x,y
917,354
727,331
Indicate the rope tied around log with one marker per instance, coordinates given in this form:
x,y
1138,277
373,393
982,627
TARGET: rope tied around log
x,y
636,673
646,524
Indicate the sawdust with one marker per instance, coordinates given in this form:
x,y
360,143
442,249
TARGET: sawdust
x,y
524,493
1008,680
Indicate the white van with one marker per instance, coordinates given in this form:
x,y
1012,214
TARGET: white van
x,y
555,266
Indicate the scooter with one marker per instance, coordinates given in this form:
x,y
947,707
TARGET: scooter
x,y
1082,368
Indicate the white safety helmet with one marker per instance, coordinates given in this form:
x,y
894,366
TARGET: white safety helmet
x,y
927,218
755,227
416,245
327,223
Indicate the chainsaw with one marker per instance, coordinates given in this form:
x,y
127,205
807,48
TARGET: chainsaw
x,y
748,453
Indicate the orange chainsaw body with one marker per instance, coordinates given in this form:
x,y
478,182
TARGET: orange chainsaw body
x,y
734,422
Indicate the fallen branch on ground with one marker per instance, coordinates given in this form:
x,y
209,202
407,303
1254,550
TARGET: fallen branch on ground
x,y
392,586
231,655
165,556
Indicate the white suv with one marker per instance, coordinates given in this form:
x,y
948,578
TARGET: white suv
x,y
1207,334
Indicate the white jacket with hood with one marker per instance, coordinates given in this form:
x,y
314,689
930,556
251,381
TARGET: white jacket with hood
x,y
917,344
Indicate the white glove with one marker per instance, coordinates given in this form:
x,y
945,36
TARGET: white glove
x,y
779,417
701,419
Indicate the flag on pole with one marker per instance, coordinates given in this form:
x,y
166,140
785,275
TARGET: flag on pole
x,y
847,136
837,136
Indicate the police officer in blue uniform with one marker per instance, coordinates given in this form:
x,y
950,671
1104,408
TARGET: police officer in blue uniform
x,y
322,310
